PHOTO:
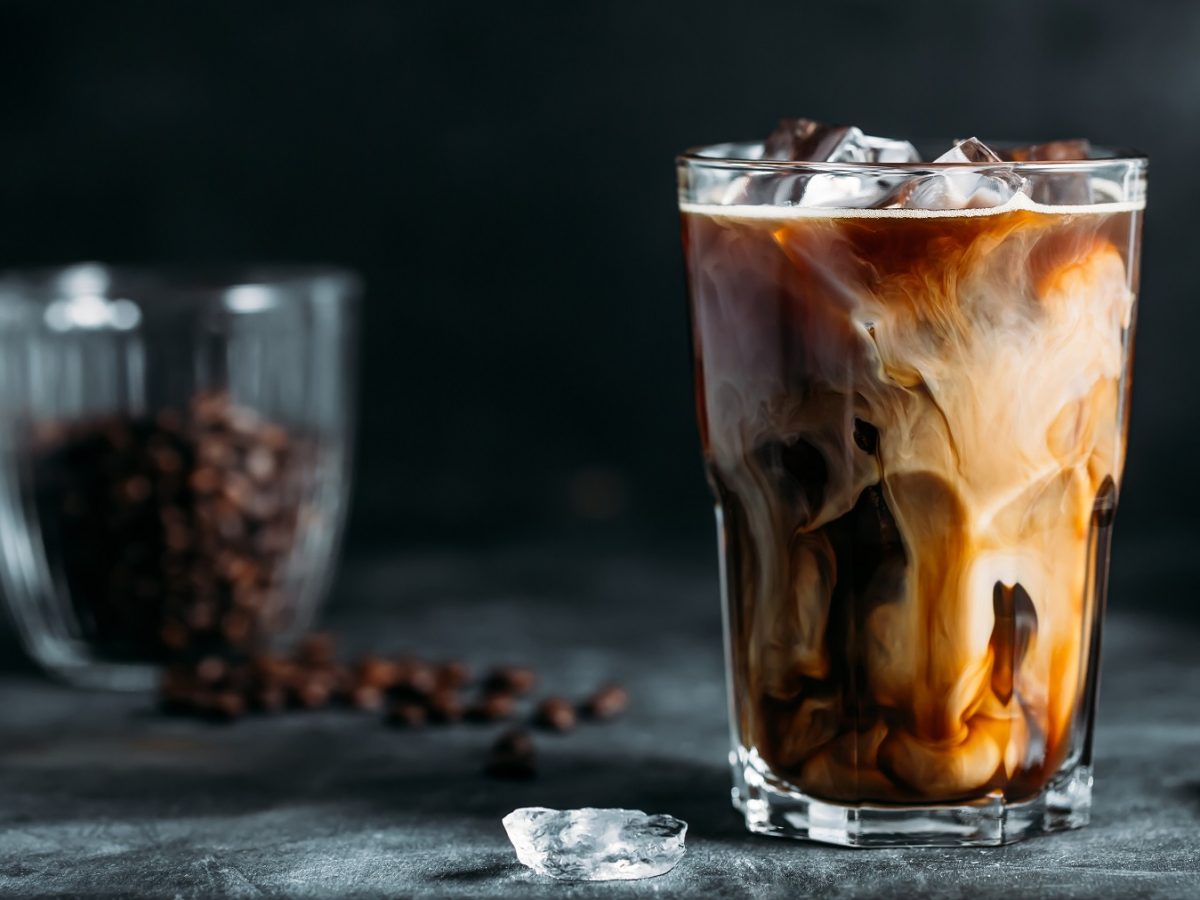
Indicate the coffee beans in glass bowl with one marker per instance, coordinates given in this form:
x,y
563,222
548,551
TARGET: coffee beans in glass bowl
x,y
173,461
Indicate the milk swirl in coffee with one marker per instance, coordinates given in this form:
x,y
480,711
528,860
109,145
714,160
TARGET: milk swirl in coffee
x,y
913,421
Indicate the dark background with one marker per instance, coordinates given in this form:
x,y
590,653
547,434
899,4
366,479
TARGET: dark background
x,y
502,176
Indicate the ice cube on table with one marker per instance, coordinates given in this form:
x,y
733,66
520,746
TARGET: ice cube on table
x,y
595,844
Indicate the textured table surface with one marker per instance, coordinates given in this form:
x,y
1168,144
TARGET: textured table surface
x,y
101,795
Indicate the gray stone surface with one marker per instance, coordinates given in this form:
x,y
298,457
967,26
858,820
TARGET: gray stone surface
x,y
101,795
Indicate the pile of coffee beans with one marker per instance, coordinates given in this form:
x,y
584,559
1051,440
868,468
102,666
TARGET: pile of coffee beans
x,y
173,529
408,692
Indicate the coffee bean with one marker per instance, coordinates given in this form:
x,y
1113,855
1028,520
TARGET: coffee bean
x,y
204,481
270,669
215,451
136,489
407,714
209,407
316,649
201,616
513,679
211,670
165,458
260,463
226,705
512,756
416,675
273,437
555,714
607,703
312,692
242,420
492,707
367,696
445,705
374,671
236,628
240,492
270,698
453,674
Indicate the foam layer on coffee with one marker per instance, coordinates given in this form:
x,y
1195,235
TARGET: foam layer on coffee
x,y
910,417
1019,201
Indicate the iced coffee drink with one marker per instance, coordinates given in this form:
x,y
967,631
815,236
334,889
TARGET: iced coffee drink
x,y
912,387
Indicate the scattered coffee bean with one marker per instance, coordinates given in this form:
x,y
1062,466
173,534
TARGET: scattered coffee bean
x,y
227,705
607,703
453,674
312,692
407,714
367,696
512,756
511,679
374,671
555,714
416,675
445,705
226,687
492,707
270,698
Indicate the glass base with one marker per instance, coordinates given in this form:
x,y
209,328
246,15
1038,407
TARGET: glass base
x,y
774,809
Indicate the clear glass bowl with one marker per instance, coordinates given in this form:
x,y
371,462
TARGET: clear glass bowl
x,y
174,460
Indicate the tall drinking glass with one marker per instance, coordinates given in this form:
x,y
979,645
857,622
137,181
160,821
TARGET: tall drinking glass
x,y
913,419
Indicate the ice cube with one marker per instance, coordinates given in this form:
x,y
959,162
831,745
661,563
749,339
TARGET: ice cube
x,y
805,140
886,150
595,844
971,150
970,189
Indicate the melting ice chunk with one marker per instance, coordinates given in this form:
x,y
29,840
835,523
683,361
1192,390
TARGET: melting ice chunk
x,y
806,140
595,844
972,150
970,189
810,141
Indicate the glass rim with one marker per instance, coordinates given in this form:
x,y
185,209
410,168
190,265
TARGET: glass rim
x,y
174,283
717,156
